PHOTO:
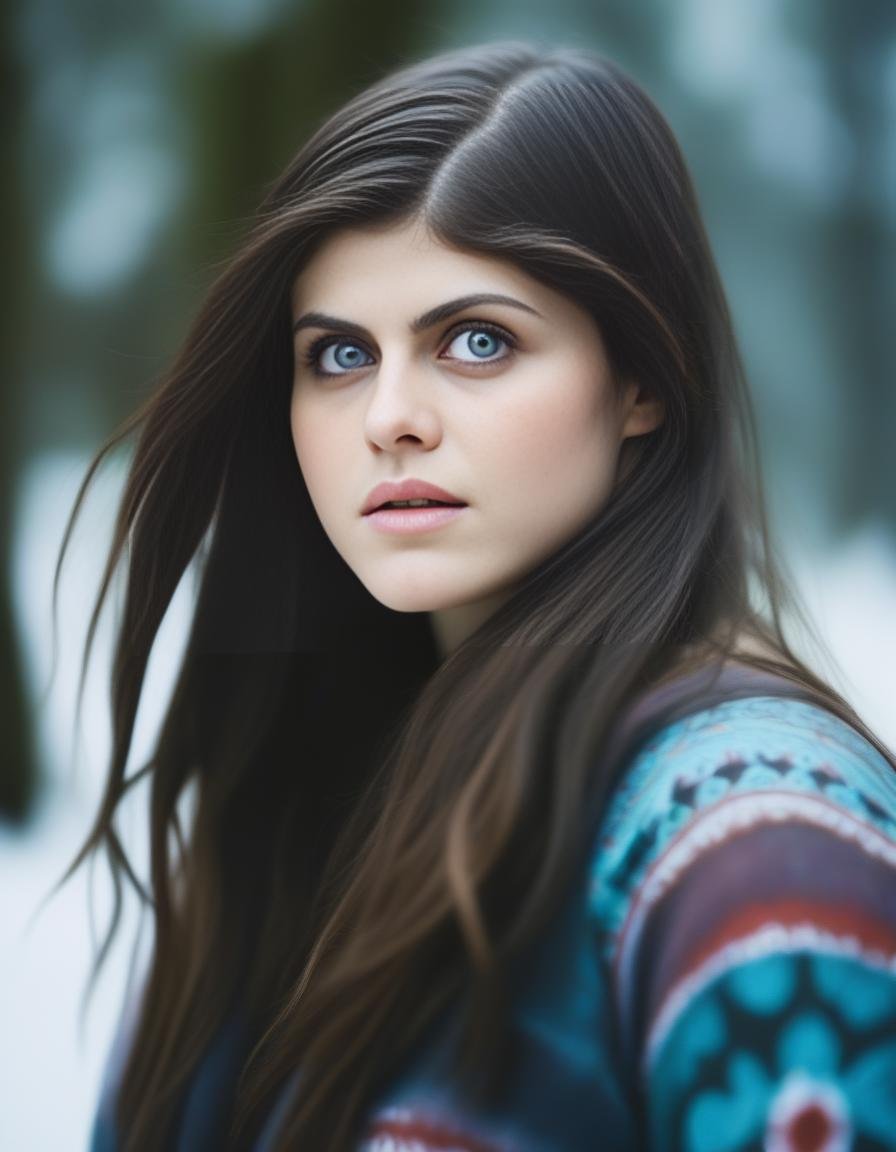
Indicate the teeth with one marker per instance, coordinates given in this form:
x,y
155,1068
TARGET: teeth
x,y
409,503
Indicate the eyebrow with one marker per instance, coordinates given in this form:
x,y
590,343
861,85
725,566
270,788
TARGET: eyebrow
x,y
421,323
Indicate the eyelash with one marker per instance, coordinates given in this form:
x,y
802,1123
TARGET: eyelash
x,y
312,355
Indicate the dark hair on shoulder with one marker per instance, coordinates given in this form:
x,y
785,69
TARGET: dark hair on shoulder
x,y
344,880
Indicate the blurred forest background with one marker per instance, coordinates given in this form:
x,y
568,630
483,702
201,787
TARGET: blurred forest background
x,y
139,139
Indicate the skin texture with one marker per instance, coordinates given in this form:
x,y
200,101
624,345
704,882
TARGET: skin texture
x,y
528,437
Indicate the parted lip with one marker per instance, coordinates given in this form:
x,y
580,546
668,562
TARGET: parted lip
x,y
406,490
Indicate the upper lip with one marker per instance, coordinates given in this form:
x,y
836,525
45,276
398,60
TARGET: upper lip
x,y
406,490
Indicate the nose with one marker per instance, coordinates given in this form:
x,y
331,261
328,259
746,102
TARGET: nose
x,y
401,405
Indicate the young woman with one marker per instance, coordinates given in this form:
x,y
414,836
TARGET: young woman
x,y
515,824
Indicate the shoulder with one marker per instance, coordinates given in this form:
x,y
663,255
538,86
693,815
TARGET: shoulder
x,y
743,893
741,764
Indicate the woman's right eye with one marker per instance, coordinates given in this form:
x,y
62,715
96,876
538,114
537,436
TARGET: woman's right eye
x,y
334,357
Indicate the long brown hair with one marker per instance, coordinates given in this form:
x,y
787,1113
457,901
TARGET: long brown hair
x,y
375,832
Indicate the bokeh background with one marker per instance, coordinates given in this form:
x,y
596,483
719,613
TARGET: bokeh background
x,y
139,139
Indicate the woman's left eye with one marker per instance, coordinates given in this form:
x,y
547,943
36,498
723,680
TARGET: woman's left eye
x,y
480,343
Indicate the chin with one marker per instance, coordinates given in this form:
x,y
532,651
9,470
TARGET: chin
x,y
404,601
417,599
411,603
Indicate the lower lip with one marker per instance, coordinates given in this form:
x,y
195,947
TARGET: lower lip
x,y
403,520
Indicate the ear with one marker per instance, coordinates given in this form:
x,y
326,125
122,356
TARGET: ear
x,y
642,411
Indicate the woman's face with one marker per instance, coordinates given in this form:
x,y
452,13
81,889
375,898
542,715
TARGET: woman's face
x,y
507,405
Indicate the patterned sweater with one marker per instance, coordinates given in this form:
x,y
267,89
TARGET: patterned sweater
x,y
722,979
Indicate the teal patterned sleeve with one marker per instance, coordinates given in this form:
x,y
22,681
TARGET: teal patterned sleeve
x,y
743,889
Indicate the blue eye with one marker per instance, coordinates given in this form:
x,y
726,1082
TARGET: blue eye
x,y
481,342
346,356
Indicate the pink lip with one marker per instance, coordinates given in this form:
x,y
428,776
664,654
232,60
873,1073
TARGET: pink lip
x,y
409,489
407,1128
404,520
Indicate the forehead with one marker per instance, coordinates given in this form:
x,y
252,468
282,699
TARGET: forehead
x,y
404,262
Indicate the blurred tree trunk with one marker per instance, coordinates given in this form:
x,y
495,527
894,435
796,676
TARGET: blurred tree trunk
x,y
252,105
858,41
18,769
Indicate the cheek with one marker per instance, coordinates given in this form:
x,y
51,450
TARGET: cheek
x,y
301,441
556,448
314,452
